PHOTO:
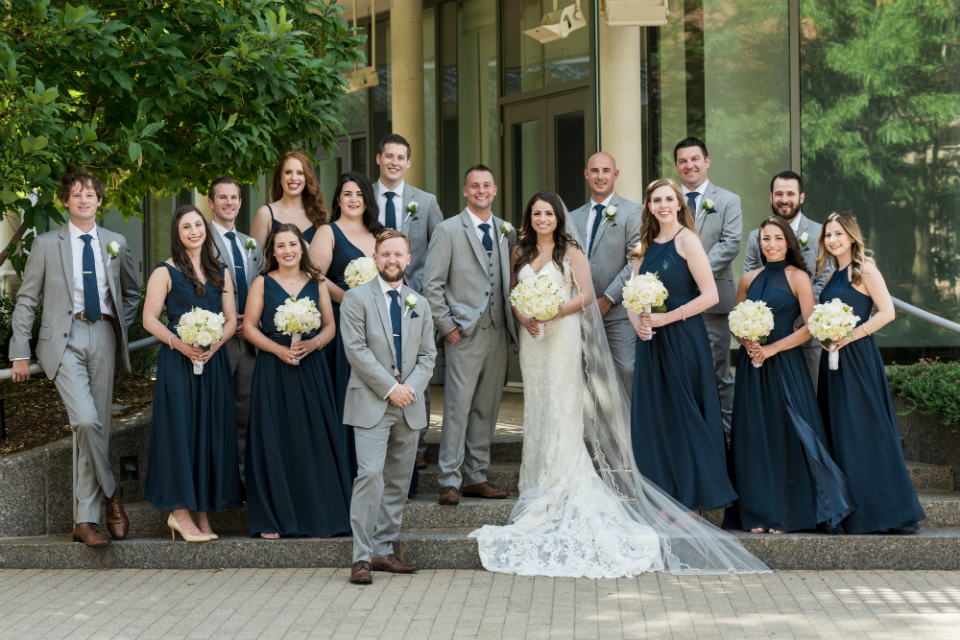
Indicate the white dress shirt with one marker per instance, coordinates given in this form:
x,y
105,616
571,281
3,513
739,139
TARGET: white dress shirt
x,y
237,241
702,189
397,203
476,225
77,244
795,224
387,287
592,214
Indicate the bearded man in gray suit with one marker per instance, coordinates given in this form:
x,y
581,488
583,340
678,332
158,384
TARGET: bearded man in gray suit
x,y
84,274
467,281
388,337
244,260
786,200
719,221
415,213
609,227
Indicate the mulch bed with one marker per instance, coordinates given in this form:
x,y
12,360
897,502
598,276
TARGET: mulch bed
x,y
35,415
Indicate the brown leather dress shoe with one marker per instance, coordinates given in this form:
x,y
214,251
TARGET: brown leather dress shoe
x,y
391,564
484,490
117,521
421,460
87,533
361,573
448,495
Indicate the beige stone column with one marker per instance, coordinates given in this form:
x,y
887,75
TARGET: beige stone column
x,y
620,93
406,81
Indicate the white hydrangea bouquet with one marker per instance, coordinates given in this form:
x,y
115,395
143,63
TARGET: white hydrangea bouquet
x,y
645,293
751,320
360,271
200,328
829,322
295,317
537,297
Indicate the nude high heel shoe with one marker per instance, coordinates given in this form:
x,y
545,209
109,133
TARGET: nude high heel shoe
x,y
175,528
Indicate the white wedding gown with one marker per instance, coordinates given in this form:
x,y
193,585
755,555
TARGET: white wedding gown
x,y
568,522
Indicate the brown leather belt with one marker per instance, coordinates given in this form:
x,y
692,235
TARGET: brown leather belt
x,y
103,316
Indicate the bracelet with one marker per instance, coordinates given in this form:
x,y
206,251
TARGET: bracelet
x,y
683,313
170,342
321,343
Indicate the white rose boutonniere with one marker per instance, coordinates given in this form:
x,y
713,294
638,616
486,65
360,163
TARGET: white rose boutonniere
x,y
804,237
410,302
505,230
610,213
113,249
250,247
708,206
412,208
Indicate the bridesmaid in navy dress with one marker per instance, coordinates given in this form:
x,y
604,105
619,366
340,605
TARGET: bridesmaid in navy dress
x,y
297,199
192,462
855,399
676,424
351,234
782,468
297,478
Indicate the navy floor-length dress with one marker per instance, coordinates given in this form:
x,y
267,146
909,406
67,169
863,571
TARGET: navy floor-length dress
x,y
862,427
297,476
193,461
782,469
676,424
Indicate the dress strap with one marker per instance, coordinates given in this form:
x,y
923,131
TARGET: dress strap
x,y
677,233
270,209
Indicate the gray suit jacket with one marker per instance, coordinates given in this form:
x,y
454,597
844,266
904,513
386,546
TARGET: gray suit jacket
x,y
721,232
419,228
455,278
810,251
610,262
255,260
368,340
49,274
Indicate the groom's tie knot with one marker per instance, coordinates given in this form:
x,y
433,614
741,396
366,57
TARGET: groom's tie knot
x,y
692,202
487,241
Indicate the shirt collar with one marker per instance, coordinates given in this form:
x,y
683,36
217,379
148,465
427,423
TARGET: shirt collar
x,y
477,221
795,223
76,233
382,190
385,286
702,189
604,204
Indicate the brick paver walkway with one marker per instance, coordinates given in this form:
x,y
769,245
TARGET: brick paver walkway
x,y
304,603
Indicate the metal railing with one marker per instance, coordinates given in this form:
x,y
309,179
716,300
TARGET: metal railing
x,y
139,345
936,320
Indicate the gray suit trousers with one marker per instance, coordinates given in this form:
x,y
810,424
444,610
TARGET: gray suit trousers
x,y
385,455
718,332
243,357
85,383
622,338
422,444
811,353
473,386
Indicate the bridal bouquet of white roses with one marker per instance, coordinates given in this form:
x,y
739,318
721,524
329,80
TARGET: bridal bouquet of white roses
x,y
360,271
830,322
645,293
200,328
751,320
537,297
294,317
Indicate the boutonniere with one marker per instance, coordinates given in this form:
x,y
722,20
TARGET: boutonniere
x,y
708,206
410,302
412,209
250,247
804,237
505,230
113,249
610,213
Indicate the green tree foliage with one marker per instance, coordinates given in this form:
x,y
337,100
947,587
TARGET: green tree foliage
x,y
158,96
881,136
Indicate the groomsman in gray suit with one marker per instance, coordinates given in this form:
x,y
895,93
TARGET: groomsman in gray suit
x,y
609,227
786,200
388,336
414,212
719,222
84,274
243,259
467,281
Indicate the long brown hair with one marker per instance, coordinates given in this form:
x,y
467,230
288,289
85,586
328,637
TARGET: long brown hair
x,y
859,254
311,196
306,265
650,228
527,243
371,210
794,256
208,253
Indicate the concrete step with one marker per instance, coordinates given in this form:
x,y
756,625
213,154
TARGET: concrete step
x,y
934,548
930,477
502,475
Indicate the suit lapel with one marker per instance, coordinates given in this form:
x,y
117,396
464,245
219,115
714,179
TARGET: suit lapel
x,y
408,196
614,202
108,272
226,256
709,194
580,219
384,314
406,317
504,259
474,240
252,270
66,254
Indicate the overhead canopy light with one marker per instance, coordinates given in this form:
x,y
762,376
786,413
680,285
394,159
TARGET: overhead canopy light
x,y
367,76
558,24
636,13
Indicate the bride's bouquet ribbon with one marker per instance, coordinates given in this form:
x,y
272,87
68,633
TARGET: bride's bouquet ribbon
x,y
751,320
537,297
644,293
829,323
360,271
200,328
295,317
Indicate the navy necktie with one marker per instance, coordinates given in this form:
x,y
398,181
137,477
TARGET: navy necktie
x,y
240,271
91,293
390,216
487,241
395,321
597,219
692,203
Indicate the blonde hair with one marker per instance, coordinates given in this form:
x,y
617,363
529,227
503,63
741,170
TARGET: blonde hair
x,y
859,254
650,228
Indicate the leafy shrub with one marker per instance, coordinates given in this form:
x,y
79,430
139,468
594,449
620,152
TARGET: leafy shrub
x,y
7,305
933,385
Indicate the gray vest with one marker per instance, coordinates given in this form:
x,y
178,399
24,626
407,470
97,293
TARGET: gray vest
x,y
494,313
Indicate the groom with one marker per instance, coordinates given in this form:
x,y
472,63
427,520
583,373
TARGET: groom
x,y
388,337
467,281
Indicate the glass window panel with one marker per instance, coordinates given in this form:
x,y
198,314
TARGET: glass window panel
x,y
429,101
570,151
158,220
449,124
526,165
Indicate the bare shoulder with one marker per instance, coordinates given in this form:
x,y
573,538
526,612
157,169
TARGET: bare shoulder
x,y
750,276
687,239
870,270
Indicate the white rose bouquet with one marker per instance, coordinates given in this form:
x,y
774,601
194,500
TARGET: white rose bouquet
x,y
295,317
644,293
751,320
830,322
200,328
537,297
360,271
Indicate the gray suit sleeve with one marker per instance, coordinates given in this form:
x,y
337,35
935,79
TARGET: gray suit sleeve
x,y
434,217
353,328
28,297
435,273
751,259
129,287
821,282
728,246
615,290
419,378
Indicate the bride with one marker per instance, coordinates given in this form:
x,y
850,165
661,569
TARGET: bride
x,y
584,510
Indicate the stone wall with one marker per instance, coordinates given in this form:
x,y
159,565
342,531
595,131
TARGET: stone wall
x,y
926,439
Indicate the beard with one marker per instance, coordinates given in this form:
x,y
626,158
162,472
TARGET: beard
x,y
393,277
789,215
